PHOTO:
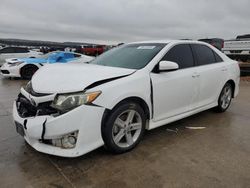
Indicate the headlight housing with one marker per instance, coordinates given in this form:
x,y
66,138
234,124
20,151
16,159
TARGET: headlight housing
x,y
67,102
15,64
28,87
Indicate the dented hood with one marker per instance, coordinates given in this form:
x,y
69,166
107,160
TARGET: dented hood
x,y
65,78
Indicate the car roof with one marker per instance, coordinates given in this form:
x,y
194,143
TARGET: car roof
x,y
168,42
9,47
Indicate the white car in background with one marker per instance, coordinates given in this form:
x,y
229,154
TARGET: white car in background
x,y
26,67
69,110
16,52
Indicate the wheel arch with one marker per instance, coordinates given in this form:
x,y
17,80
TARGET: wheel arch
x,y
138,101
28,65
25,66
232,83
134,99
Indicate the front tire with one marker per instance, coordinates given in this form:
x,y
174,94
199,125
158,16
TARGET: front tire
x,y
225,98
27,71
124,127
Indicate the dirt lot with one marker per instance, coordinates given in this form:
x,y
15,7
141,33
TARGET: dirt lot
x,y
217,156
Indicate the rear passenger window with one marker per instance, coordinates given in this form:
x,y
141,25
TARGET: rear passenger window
x,y
204,54
217,57
180,54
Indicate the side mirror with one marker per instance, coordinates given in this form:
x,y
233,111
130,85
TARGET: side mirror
x,y
168,66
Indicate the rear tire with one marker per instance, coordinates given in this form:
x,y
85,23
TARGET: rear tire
x,y
27,71
225,98
124,127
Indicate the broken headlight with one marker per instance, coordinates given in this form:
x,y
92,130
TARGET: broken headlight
x,y
67,102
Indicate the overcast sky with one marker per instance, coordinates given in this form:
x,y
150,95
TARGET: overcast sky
x,y
113,21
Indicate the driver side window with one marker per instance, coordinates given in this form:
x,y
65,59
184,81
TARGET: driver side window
x,y
180,54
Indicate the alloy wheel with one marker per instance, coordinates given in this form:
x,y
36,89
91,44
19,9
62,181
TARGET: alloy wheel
x,y
127,128
226,97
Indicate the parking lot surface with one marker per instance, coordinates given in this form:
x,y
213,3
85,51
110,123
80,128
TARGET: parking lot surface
x,y
216,156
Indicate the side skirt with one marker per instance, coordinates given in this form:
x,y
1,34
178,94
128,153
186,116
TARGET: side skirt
x,y
153,125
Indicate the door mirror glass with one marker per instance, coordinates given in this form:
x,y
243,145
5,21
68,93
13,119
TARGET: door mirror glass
x,y
168,66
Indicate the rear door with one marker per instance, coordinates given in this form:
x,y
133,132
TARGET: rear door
x,y
175,92
211,72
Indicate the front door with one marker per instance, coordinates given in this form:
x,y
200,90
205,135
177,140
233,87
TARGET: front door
x,y
175,92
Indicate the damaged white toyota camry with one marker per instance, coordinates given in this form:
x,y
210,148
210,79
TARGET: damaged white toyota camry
x,y
71,109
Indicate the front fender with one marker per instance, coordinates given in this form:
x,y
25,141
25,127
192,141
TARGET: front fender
x,y
135,85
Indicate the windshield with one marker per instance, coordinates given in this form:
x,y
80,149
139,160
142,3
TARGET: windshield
x,y
131,56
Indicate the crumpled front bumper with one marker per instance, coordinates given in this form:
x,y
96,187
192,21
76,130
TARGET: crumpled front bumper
x,y
85,119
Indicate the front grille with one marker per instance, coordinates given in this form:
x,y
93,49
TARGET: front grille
x,y
5,71
26,109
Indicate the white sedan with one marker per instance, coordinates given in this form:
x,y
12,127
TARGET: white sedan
x,y
26,67
112,100
16,52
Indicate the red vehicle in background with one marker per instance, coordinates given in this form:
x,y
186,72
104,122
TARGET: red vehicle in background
x,y
93,50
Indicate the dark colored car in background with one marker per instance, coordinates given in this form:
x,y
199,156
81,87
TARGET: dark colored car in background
x,y
216,42
93,50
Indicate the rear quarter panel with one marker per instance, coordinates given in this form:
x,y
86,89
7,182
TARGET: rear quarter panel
x,y
234,74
